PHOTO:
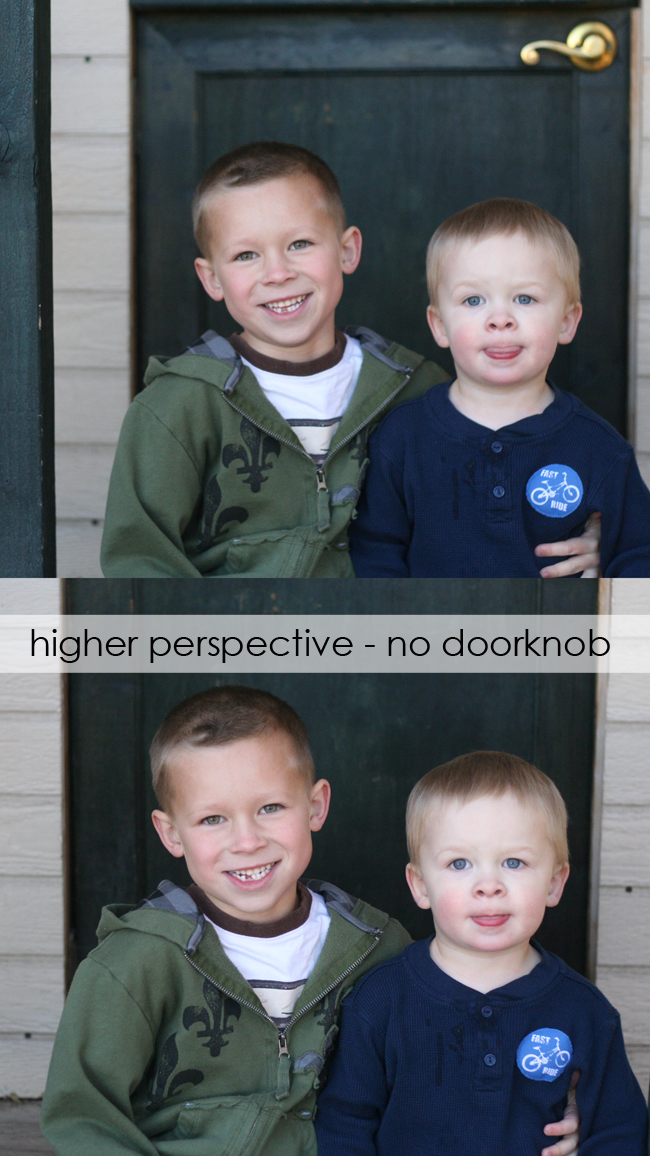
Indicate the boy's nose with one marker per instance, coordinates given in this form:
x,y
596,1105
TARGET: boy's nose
x,y
489,886
501,319
277,269
246,837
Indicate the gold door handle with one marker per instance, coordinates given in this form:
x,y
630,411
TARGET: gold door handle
x,y
591,46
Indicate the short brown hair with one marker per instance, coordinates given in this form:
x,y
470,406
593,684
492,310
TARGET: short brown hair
x,y
220,715
486,773
507,216
262,160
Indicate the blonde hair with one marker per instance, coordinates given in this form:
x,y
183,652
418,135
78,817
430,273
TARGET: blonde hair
x,y
486,773
251,164
221,715
505,215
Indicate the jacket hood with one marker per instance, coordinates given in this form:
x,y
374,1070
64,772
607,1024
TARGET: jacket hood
x,y
187,924
211,345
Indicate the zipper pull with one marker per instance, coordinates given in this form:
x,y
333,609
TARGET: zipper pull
x,y
284,1068
322,501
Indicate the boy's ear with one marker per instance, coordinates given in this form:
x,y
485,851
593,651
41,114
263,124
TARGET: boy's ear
x,y
556,886
167,833
319,804
570,323
437,328
207,277
417,887
350,249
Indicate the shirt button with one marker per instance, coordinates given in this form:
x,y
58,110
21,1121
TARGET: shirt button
x,y
498,491
486,1011
497,447
490,1060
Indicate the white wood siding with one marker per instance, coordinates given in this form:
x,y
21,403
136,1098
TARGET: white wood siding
x,y
623,951
31,858
91,201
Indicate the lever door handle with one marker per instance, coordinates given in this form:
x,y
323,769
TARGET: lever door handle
x,y
591,46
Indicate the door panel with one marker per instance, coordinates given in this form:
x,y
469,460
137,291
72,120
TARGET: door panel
x,y
373,737
419,114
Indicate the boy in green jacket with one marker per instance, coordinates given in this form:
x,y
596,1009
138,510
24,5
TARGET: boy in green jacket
x,y
201,1023
246,457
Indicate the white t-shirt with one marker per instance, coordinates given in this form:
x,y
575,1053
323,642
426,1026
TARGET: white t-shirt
x,y
277,968
314,405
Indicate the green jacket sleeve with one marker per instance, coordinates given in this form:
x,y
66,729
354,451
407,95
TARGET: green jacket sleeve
x,y
155,486
102,1049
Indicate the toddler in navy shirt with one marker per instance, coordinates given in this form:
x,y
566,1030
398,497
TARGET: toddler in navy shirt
x,y
468,1041
469,479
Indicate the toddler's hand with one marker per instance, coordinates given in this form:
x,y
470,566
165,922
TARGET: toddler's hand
x,y
568,1126
584,551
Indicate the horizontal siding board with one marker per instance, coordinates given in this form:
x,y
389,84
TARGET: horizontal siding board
x,y
627,989
627,764
625,847
31,842
90,29
20,692
82,475
91,329
642,440
30,753
24,595
90,96
628,696
77,548
90,174
24,1064
623,923
630,596
91,251
643,337
32,993
31,916
91,404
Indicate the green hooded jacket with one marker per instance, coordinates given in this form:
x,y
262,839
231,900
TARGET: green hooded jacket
x,y
209,480
164,1048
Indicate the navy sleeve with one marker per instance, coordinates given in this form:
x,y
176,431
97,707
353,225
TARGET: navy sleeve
x,y
355,1096
381,535
614,1117
624,501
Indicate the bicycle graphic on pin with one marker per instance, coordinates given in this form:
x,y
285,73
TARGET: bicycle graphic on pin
x,y
532,1062
569,493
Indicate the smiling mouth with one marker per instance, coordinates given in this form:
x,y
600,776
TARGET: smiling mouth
x,y
290,305
252,874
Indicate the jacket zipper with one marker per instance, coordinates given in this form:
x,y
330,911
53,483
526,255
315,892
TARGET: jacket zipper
x,y
321,484
283,1050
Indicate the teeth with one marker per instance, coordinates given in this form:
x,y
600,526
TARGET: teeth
x,y
288,306
256,873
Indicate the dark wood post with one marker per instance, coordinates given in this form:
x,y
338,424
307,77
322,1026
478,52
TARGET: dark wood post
x,y
27,542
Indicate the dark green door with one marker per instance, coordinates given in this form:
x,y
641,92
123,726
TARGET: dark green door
x,y
373,737
420,111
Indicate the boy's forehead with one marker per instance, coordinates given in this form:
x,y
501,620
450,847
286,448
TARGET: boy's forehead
x,y
465,819
463,254
266,204
247,766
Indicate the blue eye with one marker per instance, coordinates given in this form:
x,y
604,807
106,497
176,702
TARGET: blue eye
x,y
514,863
474,300
523,299
459,864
